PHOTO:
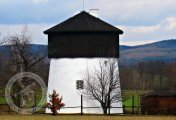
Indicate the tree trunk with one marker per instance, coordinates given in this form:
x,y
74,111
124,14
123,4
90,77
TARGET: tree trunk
x,y
104,110
54,108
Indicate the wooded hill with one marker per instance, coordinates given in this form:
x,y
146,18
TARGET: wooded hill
x,y
159,51
144,67
149,67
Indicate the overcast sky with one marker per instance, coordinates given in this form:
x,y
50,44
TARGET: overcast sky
x,y
143,21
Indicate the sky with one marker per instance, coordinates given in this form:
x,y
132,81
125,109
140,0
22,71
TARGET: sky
x,y
143,21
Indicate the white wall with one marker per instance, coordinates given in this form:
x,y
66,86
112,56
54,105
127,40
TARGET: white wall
x,y
62,78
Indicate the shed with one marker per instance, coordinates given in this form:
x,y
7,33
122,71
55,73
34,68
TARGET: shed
x,y
159,102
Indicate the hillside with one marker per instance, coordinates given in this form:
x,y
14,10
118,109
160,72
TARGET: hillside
x,y
159,51
34,48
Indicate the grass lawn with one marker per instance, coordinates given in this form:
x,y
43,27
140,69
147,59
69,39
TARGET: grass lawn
x,y
129,101
2,100
132,97
128,94
76,117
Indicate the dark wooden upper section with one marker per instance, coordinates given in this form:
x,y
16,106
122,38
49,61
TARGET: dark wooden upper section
x,y
83,35
83,22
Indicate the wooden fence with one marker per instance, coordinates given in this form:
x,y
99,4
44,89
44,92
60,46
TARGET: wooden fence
x,y
5,108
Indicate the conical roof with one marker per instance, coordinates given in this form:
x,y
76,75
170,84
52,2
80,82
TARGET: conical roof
x,y
83,22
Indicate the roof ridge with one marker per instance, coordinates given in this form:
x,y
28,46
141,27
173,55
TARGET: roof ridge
x,y
74,24
90,26
83,22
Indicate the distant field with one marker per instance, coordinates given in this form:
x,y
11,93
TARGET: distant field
x,y
129,101
128,94
76,117
3,99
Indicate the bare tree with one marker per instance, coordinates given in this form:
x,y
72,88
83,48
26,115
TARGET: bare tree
x,y
21,56
2,93
102,83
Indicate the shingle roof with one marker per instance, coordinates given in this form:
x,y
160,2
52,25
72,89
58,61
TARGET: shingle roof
x,y
83,22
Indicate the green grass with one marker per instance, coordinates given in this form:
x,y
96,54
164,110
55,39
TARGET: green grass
x,y
76,117
129,101
2,100
128,95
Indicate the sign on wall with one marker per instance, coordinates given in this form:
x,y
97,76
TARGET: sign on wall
x,y
79,84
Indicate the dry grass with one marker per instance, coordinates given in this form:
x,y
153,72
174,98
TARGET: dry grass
x,y
76,117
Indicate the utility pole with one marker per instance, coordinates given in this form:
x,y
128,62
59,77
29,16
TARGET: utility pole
x,y
109,104
81,105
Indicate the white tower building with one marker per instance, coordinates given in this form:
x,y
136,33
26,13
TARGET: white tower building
x,y
73,46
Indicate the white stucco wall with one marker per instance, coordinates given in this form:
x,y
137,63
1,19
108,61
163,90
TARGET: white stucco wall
x,y
62,78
